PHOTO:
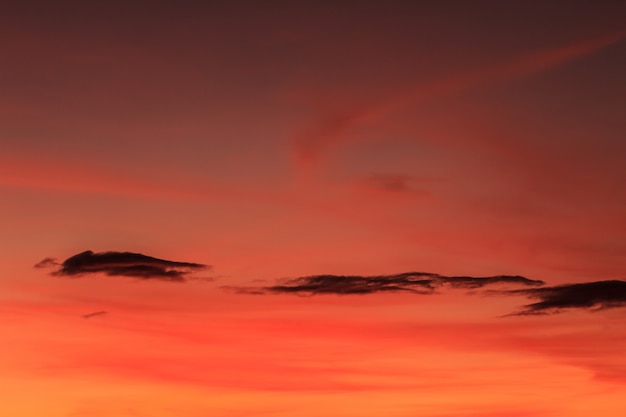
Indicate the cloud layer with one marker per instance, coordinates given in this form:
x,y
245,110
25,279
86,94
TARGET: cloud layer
x,y
126,264
414,282
597,295
588,295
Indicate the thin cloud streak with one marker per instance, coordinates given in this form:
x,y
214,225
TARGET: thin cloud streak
x,y
311,145
126,264
74,177
94,314
414,282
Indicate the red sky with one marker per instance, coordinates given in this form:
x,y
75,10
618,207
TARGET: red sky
x,y
274,141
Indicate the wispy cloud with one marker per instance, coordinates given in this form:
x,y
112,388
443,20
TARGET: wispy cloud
x,y
46,263
390,182
311,145
126,264
413,282
597,295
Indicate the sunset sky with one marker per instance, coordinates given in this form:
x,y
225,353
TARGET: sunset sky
x,y
313,208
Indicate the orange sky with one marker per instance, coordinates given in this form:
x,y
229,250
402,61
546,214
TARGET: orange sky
x,y
277,141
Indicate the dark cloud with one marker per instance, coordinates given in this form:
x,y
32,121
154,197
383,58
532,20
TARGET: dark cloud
x,y
414,282
94,314
47,262
122,264
588,295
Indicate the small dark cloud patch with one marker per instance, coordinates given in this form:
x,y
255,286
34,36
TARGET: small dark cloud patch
x,y
46,263
94,314
412,282
390,182
597,295
126,264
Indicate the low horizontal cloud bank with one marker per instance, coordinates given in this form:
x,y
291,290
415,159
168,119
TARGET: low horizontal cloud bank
x,y
597,295
414,282
126,264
